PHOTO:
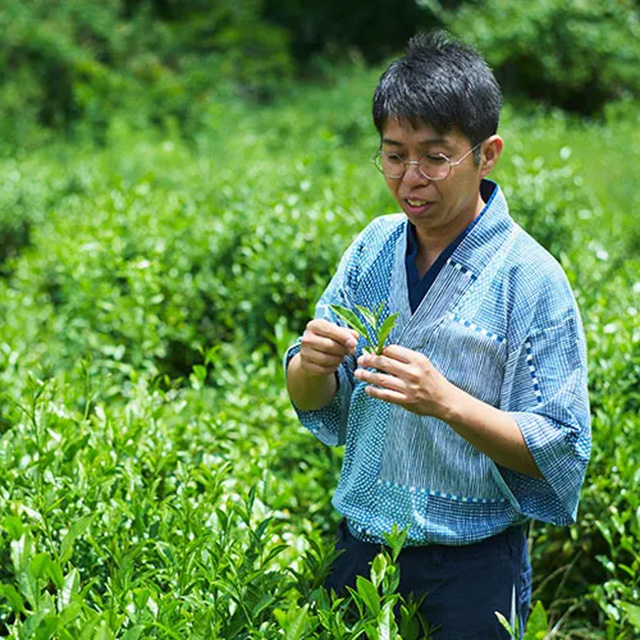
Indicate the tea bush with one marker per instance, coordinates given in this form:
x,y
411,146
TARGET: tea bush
x,y
161,514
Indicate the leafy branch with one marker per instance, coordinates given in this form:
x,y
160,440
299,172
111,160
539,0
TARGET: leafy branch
x,y
376,334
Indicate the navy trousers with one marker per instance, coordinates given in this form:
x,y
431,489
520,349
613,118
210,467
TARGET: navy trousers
x,y
464,585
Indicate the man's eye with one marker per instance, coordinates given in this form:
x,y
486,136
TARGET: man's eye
x,y
439,159
393,158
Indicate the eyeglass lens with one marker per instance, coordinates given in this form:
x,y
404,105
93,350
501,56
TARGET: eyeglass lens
x,y
435,168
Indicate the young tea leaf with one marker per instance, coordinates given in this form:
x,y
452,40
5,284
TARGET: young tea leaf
x,y
369,595
71,587
633,613
39,564
388,628
538,624
351,319
505,623
368,316
385,330
293,623
378,569
396,540
133,633
76,530
14,598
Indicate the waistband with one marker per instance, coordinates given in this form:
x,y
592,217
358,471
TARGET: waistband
x,y
512,536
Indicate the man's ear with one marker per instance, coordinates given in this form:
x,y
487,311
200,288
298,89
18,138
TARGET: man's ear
x,y
491,150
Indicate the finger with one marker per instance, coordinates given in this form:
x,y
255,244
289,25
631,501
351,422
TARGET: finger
x,y
380,379
395,397
383,363
320,343
344,335
321,359
318,370
403,354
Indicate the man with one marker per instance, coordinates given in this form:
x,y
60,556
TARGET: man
x,y
475,418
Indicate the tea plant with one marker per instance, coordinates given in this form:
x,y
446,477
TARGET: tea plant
x,y
375,336
537,625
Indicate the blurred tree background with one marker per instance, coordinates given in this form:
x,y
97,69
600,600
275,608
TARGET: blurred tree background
x,y
69,65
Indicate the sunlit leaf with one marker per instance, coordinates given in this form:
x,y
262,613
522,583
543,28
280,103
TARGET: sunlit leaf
x,y
385,330
71,586
350,319
369,316
537,625
378,569
76,530
387,629
369,594
505,623
633,613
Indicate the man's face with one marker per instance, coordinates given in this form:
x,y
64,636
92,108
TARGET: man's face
x,y
437,208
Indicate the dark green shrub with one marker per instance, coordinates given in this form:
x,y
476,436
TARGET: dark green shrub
x,y
334,27
574,54
67,63
26,192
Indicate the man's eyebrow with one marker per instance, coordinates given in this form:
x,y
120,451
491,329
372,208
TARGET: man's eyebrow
x,y
422,143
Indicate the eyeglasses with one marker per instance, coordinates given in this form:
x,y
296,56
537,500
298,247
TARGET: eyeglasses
x,y
432,167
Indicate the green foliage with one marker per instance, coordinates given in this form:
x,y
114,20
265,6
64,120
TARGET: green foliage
x,y
146,261
129,518
574,54
546,201
633,611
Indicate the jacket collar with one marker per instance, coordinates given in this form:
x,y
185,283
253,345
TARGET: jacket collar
x,y
492,229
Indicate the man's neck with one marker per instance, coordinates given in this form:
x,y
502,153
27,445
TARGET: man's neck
x,y
431,243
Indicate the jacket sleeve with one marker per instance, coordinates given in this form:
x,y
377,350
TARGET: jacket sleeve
x,y
545,390
329,424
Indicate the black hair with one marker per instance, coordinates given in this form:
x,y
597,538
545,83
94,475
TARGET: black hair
x,y
443,84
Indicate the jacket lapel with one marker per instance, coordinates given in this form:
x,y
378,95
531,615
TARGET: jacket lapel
x,y
479,248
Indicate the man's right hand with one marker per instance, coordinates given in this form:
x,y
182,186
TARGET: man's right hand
x,y
324,346
311,379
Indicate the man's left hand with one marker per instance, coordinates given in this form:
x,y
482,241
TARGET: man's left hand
x,y
407,378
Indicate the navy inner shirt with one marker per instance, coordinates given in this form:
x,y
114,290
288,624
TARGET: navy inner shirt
x,y
417,286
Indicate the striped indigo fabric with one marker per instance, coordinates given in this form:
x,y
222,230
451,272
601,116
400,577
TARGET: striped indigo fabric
x,y
500,322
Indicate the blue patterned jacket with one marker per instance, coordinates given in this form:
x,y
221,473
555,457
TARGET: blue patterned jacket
x,y
500,322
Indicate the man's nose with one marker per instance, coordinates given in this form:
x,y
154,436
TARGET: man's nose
x,y
413,175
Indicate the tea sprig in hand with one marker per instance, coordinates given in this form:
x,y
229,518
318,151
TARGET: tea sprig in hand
x,y
376,335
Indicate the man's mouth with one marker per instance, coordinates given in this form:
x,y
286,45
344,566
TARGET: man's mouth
x,y
416,205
